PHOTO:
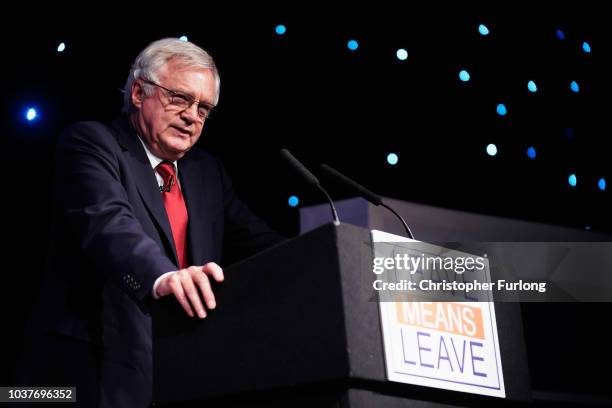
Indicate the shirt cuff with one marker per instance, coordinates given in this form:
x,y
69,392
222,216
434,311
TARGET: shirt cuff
x,y
157,282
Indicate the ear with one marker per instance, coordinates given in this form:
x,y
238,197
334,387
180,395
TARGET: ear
x,y
137,94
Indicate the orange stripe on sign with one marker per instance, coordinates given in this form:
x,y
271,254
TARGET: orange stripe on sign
x,y
449,317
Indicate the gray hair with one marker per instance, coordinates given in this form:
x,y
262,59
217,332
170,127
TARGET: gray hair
x,y
156,55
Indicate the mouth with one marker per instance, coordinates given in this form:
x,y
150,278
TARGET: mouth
x,y
181,131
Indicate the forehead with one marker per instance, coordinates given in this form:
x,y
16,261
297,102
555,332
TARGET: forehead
x,y
194,81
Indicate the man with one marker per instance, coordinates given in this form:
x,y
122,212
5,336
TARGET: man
x,y
139,216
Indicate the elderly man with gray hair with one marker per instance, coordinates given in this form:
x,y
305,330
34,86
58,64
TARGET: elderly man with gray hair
x,y
139,215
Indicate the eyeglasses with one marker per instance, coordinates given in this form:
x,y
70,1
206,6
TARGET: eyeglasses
x,y
184,102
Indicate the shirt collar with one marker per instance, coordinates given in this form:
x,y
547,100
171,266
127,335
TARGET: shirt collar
x,y
153,158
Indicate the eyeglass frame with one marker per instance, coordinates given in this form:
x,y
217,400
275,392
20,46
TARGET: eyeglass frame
x,y
212,109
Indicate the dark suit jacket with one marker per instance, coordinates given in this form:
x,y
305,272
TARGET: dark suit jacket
x,y
112,239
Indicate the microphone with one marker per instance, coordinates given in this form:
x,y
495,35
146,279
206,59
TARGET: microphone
x,y
363,192
167,187
310,179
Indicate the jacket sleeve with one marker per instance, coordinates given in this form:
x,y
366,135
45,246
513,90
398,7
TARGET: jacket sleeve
x,y
95,206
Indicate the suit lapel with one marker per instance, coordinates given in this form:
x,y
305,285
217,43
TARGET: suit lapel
x,y
146,183
196,192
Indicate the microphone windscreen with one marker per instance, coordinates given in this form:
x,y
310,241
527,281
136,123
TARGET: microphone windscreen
x,y
352,185
299,167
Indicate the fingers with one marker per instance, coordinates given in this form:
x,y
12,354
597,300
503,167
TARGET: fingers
x,y
184,285
207,293
214,270
187,276
175,284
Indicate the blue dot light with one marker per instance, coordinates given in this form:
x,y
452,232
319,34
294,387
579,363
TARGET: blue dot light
x,y
402,54
293,201
352,45
31,114
532,86
483,30
392,159
560,35
61,47
501,109
586,47
491,149
531,152
464,75
572,180
574,87
280,29
602,184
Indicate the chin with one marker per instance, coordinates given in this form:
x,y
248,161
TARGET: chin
x,y
177,145
178,151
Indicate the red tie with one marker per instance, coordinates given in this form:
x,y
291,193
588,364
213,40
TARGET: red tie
x,y
176,210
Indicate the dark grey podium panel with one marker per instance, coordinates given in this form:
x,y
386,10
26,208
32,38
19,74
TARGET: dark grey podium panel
x,y
435,224
296,325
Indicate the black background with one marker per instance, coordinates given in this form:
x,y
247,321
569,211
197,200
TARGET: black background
x,y
307,92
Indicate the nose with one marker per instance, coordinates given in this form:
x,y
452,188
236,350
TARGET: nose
x,y
191,113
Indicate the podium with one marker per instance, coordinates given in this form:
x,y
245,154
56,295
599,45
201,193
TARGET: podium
x,y
299,325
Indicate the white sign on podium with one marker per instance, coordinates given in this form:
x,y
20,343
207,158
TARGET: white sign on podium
x,y
451,345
